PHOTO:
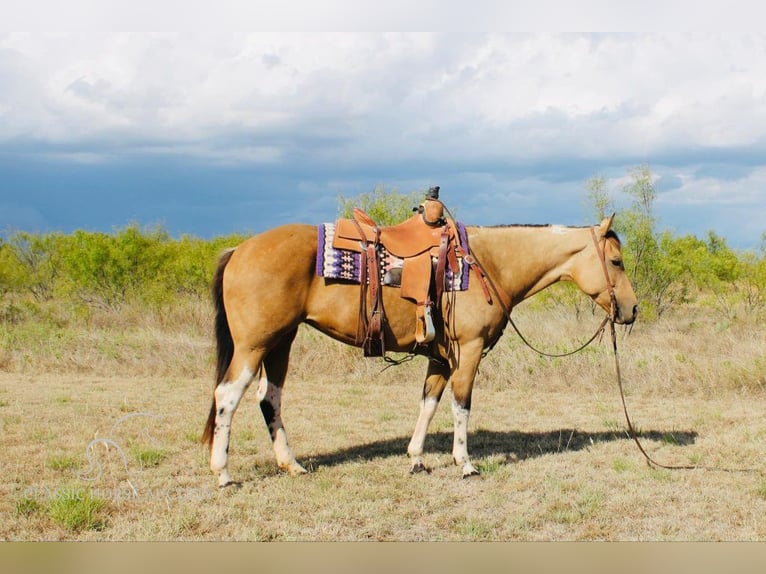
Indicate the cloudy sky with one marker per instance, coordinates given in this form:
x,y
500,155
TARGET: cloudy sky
x,y
211,133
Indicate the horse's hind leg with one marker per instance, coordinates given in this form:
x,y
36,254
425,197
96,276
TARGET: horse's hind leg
x,y
228,394
270,397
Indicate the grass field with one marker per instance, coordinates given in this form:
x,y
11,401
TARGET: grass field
x,y
100,426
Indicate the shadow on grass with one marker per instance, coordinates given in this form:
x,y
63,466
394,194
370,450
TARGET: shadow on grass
x,y
514,445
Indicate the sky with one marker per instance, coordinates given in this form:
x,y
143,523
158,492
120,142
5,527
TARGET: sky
x,y
209,133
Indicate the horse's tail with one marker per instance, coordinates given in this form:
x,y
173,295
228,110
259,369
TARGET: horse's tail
x,y
224,342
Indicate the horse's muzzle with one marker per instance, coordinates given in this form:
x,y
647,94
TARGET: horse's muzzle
x,y
626,318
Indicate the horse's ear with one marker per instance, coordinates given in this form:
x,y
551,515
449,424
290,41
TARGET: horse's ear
x,y
606,224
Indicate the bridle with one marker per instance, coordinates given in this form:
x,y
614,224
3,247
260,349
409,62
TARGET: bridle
x,y
609,285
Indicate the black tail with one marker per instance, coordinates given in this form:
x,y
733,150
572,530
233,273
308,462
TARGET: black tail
x,y
224,342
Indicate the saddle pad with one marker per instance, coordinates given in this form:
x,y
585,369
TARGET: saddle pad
x,y
345,265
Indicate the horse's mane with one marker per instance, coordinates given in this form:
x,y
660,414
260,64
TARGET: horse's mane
x,y
504,225
611,234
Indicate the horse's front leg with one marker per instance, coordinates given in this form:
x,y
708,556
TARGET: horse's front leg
x,y
436,381
462,388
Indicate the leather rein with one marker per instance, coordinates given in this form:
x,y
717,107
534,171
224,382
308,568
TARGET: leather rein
x,y
504,302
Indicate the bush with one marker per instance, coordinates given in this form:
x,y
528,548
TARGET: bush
x,y
149,270
106,269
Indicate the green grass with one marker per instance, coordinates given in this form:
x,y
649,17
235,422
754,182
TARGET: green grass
x,y
26,506
491,466
669,438
193,436
76,510
621,465
661,474
696,459
148,457
570,510
64,462
476,529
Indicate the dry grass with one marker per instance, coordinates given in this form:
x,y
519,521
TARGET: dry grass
x,y
547,434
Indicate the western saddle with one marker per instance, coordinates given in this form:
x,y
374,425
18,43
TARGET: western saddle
x,y
427,243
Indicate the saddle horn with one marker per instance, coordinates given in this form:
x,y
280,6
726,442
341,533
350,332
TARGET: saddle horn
x,y
432,208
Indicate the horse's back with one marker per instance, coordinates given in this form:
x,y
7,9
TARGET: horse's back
x,y
279,252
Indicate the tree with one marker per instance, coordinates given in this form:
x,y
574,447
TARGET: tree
x,y
653,280
37,262
638,223
599,199
384,207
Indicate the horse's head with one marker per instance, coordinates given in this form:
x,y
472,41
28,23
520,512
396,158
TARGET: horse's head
x,y
601,274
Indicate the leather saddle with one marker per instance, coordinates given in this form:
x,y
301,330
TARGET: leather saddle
x,y
426,242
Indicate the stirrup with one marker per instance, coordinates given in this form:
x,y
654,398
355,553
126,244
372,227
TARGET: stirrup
x,y
425,332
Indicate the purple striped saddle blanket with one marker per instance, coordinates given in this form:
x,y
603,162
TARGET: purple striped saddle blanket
x,y
345,265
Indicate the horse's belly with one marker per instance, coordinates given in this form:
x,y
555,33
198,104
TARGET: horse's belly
x,y
333,308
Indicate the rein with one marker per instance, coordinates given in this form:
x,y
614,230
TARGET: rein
x,y
599,332
503,299
505,304
611,317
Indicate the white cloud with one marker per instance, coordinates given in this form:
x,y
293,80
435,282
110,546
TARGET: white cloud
x,y
477,103
749,190
542,94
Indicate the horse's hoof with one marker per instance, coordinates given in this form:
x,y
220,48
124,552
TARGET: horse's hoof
x,y
471,473
231,484
295,469
419,467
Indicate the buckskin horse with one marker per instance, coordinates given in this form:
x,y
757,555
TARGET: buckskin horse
x,y
267,286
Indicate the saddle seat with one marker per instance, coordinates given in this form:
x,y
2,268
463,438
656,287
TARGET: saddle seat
x,y
405,240
425,244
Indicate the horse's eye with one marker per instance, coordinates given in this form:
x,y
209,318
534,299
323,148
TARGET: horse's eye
x,y
617,263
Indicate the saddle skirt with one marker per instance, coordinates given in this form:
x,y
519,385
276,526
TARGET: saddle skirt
x,y
340,264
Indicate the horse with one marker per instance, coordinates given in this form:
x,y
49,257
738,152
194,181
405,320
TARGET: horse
x,y
267,286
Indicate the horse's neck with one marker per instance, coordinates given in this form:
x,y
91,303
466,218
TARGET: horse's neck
x,y
524,260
